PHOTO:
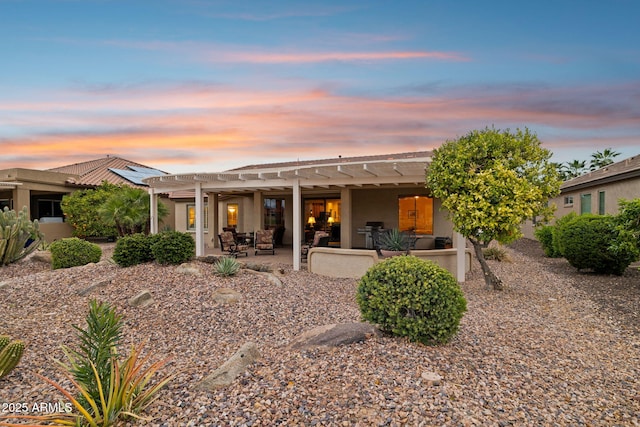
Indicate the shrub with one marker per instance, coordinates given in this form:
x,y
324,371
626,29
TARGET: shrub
x,y
411,297
132,250
227,266
496,253
556,241
81,211
544,234
173,247
593,242
72,252
629,217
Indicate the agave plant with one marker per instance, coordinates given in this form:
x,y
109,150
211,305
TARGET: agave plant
x,y
394,240
227,266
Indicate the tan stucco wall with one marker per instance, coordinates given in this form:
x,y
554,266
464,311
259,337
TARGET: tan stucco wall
x,y
628,189
382,205
354,263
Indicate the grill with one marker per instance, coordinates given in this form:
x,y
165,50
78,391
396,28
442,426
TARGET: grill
x,y
368,230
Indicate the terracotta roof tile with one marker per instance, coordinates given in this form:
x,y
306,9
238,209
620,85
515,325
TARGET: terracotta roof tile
x,y
94,172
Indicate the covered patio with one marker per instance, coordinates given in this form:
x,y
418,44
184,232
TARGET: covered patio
x,y
368,188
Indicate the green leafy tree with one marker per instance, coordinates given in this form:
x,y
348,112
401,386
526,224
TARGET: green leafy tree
x,y
490,181
81,211
600,159
128,211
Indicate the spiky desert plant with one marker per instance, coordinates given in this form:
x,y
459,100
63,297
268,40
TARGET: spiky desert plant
x,y
18,235
130,391
97,348
227,266
10,354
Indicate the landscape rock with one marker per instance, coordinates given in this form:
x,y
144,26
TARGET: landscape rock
x,y
431,378
42,256
87,290
190,269
234,366
143,299
334,335
226,296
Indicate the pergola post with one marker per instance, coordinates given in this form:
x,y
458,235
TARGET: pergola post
x,y
199,220
461,260
297,224
153,212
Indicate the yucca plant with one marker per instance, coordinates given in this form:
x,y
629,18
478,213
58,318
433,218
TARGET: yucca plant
x,y
227,266
97,349
127,396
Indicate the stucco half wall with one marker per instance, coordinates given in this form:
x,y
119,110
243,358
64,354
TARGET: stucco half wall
x,y
354,263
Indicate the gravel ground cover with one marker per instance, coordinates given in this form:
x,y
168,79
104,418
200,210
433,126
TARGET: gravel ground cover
x,y
556,348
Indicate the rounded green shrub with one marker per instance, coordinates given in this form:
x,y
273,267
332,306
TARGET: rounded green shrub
x,y
593,242
72,252
132,250
173,247
544,234
556,239
411,297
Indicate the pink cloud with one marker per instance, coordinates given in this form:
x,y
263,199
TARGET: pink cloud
x,y
209,127
300,57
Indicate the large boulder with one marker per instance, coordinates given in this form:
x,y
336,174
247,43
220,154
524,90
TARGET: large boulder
x,y
334,335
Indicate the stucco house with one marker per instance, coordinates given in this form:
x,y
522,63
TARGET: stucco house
x,y
598,192
344,196
41,191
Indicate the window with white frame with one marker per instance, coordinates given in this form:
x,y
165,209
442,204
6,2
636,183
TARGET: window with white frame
x,y
191,216
568,200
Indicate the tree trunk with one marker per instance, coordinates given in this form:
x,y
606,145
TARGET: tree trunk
x,y
490,278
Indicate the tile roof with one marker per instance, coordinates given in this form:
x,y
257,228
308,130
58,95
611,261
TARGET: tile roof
x,y
337,160
624,169
94,172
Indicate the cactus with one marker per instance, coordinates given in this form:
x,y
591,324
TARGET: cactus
x,y
18,235
4,340
10,355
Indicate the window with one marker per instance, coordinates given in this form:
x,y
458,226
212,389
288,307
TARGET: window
x,y
273,213
568,200
191,217
601,207
325,213
585,203
415,213
232,215
49,209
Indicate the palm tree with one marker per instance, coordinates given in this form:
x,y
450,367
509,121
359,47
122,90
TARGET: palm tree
x,y
574,168
602,159
128,209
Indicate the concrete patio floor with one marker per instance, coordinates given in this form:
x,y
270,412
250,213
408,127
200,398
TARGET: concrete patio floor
x,y
283,255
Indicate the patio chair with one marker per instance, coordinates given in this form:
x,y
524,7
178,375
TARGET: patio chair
x,y
264,242
320,239
228,244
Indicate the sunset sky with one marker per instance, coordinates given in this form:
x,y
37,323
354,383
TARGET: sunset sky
x,y
199,85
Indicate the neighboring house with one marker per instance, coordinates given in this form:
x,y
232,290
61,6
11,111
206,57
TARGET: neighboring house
x,y
598,192
42,191
340,195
